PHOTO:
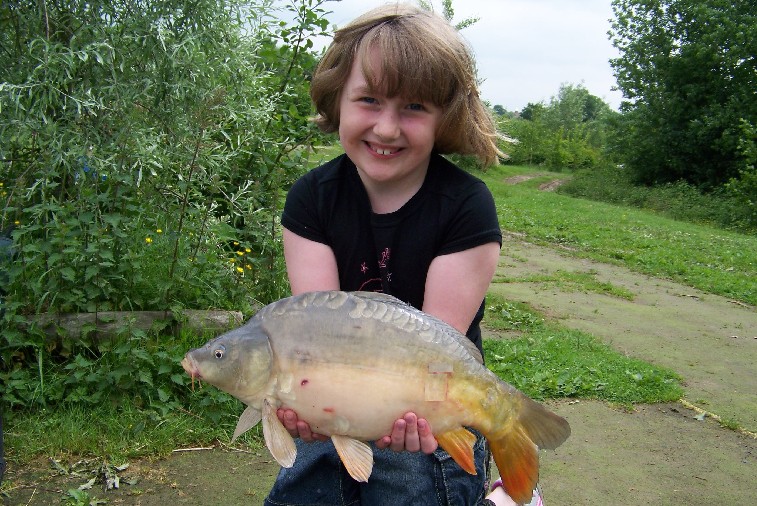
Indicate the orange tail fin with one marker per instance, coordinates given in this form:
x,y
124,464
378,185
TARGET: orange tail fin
x,y
518,463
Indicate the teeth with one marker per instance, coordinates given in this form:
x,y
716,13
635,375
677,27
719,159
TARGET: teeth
x,y
383,151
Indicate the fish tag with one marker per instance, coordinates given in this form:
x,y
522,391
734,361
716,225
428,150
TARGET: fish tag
x,y
436,381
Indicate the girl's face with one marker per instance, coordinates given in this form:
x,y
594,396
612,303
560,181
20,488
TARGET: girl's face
x,y
388,138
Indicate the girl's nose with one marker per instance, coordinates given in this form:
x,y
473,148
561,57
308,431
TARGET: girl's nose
x,y
387,125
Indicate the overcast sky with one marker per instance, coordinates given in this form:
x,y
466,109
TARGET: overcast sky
x,y
525,49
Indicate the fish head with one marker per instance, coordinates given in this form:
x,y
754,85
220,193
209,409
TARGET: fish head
x,y
238,362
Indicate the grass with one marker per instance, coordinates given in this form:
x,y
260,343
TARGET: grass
x,y
710,259
570,282
551,361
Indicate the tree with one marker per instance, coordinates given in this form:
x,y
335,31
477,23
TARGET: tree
x,y
688,72
569,133
449,14
119,118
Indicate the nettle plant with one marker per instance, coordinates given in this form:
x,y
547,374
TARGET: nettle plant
x,y
145,151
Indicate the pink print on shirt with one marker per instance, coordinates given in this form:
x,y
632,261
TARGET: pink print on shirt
x,y
374,284
384,258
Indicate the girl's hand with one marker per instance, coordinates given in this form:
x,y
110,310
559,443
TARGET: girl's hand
x,y
298,428
411,434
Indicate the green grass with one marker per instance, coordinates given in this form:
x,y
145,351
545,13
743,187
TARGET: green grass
x,y
570,282
550,361
710,259
118,432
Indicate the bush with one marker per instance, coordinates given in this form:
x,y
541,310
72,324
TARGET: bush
x,y
145,161
680,200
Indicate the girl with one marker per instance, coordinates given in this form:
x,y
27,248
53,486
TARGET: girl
x,y
392,215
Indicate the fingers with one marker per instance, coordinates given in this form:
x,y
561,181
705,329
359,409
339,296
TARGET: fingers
x,y
411,434
298,428
428,442
398,435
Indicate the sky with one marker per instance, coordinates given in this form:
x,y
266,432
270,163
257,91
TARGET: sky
x,y
525,49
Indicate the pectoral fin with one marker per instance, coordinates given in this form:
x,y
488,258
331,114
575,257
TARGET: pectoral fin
x,y
277,439
459,444
247,420
356,456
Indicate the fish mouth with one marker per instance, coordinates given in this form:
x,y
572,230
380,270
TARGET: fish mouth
x,y
190,366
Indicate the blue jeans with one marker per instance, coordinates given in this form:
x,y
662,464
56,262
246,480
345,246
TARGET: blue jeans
x,y
318,478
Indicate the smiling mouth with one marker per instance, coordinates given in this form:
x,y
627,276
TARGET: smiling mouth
x,y
383,151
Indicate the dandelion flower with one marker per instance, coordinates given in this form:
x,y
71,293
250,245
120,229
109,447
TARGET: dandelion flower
x,y
247,250
239,269
148,240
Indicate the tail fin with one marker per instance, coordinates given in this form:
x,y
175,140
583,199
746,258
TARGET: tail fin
x,y
515,450
518,463
545,428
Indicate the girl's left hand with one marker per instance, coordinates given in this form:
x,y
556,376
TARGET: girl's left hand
x,y
411,434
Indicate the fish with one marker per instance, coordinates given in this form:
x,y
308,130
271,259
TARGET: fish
x,y
351,363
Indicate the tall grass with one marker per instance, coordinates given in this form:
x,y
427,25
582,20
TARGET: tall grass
x,y
680,201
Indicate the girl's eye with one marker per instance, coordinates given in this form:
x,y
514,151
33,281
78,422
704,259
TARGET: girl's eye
x,y
416,107
368,100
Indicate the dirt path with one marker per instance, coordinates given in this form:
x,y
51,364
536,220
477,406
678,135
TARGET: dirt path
x,y
659,454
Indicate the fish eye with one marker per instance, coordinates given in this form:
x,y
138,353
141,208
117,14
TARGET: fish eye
x,y
218,352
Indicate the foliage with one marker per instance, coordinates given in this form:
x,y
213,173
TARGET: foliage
x,y
687,70
567,134
145,148
448,12
744,187
679,201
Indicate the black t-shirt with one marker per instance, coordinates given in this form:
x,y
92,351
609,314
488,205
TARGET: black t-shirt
x,y
391,253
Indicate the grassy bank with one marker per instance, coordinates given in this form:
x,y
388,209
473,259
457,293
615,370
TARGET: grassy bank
x,y
707,258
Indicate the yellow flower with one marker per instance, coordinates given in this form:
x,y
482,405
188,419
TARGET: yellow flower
x,y
236,243
159,231
232,260
239,269
248,266
17,222
240,253
148,240
247,250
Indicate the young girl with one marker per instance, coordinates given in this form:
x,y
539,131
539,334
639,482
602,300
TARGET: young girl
x,y
392,215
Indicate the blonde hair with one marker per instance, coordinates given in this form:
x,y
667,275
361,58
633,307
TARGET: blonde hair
x,y
422,57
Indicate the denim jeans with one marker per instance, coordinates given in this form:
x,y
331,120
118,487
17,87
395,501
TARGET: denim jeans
x,y
318,478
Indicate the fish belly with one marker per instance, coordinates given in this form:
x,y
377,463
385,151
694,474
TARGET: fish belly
x,y
361,402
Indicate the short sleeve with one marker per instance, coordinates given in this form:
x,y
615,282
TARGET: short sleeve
x,y
301,214
474,221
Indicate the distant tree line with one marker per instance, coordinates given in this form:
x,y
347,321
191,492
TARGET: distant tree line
x,y
688,73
